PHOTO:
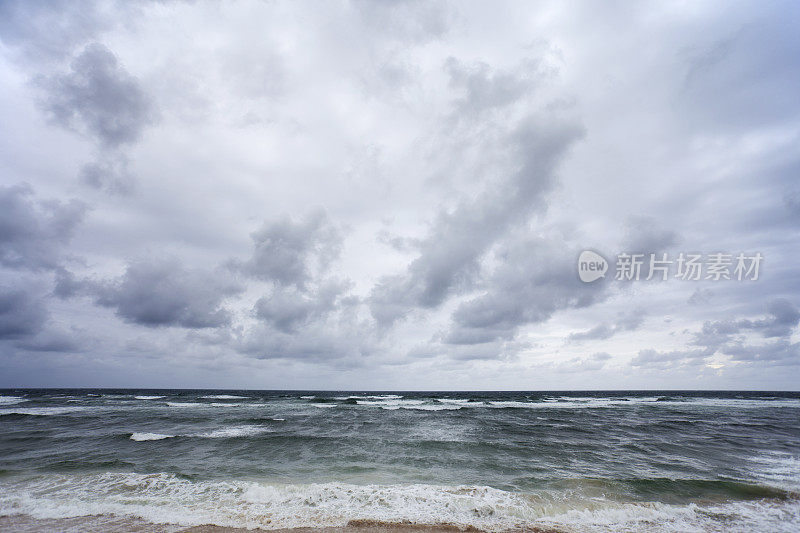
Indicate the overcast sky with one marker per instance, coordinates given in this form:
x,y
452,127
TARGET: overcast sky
x,y
394,195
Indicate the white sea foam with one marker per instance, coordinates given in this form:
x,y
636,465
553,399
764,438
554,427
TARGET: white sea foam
x,y
166,498
223,397
238,431
324,405
212,404
393,404
571,402
428,407
150,436
370,397
148,397
186,404
11,400
390,401
220,433
737,517
778,469
597,403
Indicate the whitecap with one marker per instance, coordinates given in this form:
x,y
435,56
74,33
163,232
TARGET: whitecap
x,y
428,407
390,402
11,400
224,397
231,432
370,397
149,436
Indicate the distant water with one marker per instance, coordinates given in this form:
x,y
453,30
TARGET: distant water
x,y
573,461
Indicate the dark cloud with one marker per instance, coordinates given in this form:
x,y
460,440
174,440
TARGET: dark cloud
x,y
164,293
47,30
525,152
34,233
780,352
450,255
605,330
287,309
67,285
398,243
783,318
290,253
599,332
109,173
482,88
534,279
94,94
98,97
728,338
50,340
22,313
338,339
306,314
644,234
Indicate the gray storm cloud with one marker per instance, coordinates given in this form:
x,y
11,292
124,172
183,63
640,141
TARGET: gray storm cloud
x,y
163,292
394,195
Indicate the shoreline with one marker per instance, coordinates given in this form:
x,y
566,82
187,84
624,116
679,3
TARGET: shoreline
x,y
22,523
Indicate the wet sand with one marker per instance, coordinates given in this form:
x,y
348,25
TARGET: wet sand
x,y
112,524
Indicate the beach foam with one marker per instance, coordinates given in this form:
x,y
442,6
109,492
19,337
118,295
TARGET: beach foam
x,y
166,498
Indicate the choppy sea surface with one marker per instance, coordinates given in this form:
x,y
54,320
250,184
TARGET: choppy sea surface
x,y
571,461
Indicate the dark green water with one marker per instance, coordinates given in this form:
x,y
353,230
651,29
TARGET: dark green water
x,y
578,461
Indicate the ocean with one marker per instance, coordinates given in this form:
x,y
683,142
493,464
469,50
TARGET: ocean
x,y
496,461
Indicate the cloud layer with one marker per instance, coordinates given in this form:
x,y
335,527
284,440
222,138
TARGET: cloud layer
x,y
394,195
